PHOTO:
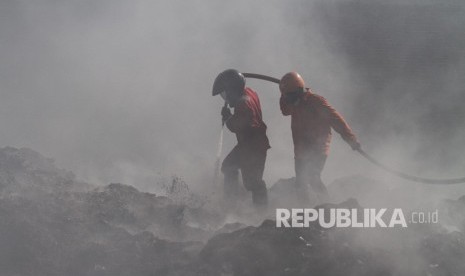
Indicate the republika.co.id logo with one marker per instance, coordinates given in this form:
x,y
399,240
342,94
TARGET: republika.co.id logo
x,y
357,218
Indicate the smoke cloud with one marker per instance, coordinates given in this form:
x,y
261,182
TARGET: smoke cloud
x,y
121,91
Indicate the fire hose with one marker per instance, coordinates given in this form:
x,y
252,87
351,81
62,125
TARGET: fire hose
x,y
373,160
218,153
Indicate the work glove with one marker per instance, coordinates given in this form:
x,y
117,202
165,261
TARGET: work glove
x,y
225,113
355,145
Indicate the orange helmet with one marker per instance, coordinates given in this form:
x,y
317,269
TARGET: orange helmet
x,y
291,82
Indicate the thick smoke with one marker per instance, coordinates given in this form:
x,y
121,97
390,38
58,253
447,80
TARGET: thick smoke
x,y
120,91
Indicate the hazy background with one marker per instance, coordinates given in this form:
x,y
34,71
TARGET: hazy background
x,y
120,91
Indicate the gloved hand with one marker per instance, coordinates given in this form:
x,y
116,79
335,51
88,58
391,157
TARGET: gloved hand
x,y
355,145
225,113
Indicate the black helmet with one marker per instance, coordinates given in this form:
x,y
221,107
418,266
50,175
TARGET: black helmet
x,y
229,81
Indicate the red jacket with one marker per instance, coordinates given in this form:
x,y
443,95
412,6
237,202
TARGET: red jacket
x,y
247,122
311,123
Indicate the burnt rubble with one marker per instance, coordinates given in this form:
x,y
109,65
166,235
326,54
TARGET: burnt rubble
x,y
52,224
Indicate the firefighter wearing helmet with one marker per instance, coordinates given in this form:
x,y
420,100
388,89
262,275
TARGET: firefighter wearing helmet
x,y
249,155
312,118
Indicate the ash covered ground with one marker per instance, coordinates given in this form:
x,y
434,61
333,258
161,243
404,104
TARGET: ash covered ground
x,y
53,224
116,90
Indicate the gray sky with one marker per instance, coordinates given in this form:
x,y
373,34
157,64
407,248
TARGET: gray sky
x,y
120,91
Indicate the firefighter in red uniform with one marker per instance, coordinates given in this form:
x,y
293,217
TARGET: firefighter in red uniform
x,y
312,118
249,154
